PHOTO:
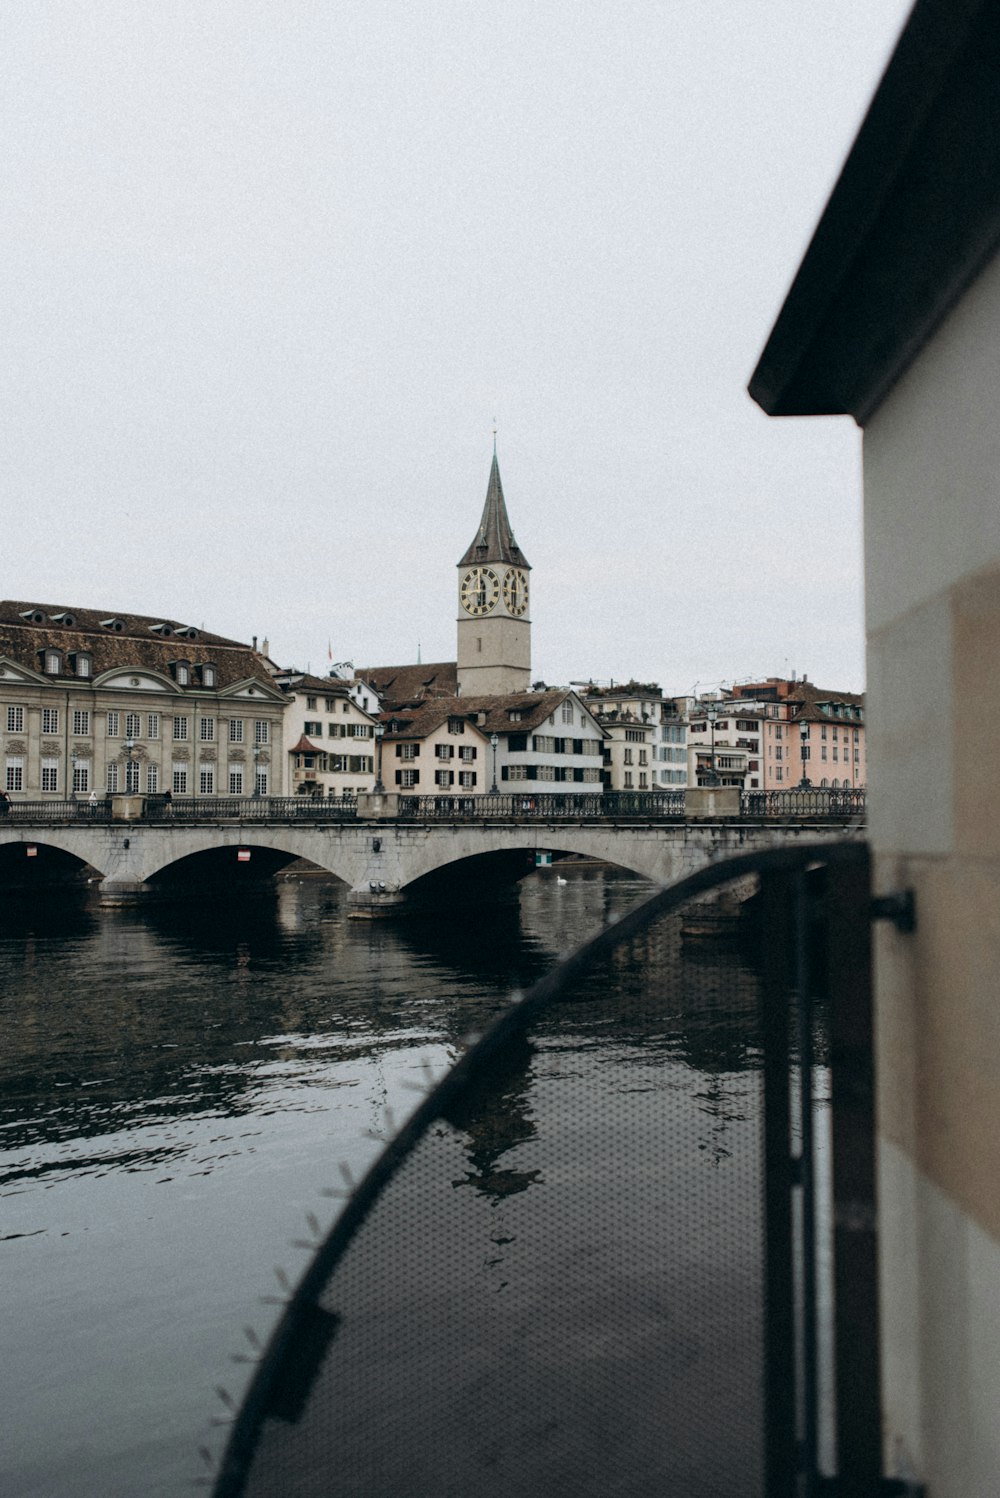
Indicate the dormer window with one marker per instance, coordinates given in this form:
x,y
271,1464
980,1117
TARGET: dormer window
x,y
52,662
115,625
33,616
82,665
67,620
182,673
163,630
515,715
186,632
208,676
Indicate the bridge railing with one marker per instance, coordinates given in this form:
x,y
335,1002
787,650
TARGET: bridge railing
x,y
811,804
814,802
248,809
504,807
55,813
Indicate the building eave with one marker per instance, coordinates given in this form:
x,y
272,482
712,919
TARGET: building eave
x,y
913,219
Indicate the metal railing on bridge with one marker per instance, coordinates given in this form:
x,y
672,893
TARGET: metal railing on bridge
x,y
809,804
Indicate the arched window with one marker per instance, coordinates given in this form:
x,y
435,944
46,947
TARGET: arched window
x,y
82,664
53,662
824,783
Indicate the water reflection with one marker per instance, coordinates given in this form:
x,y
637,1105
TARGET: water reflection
x,y
177,1084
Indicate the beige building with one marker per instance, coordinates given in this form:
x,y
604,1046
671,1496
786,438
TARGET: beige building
x,y
329,739
630,716
895,318
93,701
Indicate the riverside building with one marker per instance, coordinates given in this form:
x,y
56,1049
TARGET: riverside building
x,y
97,701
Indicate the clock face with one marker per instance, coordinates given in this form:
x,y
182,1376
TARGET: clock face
x,y
515,591
480,590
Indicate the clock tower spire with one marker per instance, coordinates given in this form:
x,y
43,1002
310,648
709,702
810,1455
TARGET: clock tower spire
x,y
494,630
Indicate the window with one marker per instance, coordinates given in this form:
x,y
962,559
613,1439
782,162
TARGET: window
x,y
81,776
113,728
236,730
806,751
152,780
517,743
235,780
206,781
82,665
514,772
112,781
206,730
467,779
407,751
444,751
53,662
515,715
627,757
456,725
778,752
643,782
81,721
779,773
467,752
15,720
133,725
183,673
822,751
260,783
311,704
153,726
628,780
179,780
643,759
407,778
50,720
132,768
567,712
328,703
180,727
444,777
311,726
262,731
208,676
15,772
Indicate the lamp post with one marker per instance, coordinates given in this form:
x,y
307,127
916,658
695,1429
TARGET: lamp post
x,y
494,741
130,789
379,788
712,778
256,781
805,784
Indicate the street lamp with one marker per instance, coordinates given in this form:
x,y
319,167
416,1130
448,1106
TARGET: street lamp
x,y
379,788
256,779
130,789
494,741
712,778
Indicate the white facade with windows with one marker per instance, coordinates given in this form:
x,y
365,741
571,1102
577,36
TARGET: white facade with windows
x,y
329,741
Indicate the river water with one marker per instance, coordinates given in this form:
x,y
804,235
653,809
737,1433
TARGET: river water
x,y
177,1088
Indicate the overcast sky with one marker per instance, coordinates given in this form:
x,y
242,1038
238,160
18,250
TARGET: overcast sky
x,y
271,269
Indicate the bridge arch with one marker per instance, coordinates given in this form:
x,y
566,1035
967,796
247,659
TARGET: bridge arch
x,y
27,860
279,845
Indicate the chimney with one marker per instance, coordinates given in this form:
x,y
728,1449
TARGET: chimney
x,y
254,642
265,648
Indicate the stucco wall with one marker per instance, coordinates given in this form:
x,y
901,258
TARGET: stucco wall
x,y
932,539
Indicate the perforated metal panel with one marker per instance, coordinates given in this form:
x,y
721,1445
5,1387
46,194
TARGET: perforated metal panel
x,y
555,1280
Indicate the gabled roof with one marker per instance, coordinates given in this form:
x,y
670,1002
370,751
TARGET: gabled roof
x,y
305,746
494,540
535,709
399,686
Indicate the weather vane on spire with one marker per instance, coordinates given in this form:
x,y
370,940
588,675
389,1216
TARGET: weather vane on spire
x,y
494,436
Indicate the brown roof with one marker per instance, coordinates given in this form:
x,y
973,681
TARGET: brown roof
x,y
494,540
399,686
121,640
424,718
305,746
303,681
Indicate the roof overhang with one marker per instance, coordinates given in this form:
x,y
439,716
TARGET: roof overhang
x,y
914,217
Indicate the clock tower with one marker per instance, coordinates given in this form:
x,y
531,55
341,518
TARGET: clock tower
x,y
494,628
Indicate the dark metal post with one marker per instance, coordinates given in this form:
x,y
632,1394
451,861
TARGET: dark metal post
x,y
379,788
494,741
777,924
856,1327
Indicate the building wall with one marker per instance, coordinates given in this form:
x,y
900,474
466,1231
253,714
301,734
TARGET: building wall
x,y
179,738
494,654
932,539
344,736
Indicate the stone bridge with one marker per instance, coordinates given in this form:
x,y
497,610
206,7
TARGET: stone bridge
x,y
385,862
